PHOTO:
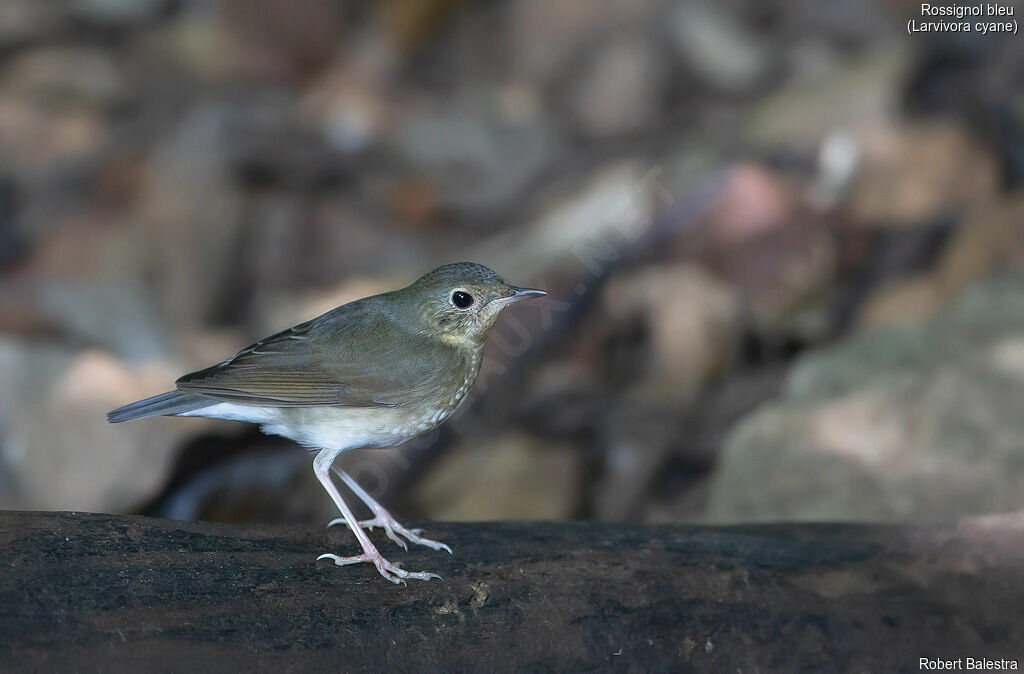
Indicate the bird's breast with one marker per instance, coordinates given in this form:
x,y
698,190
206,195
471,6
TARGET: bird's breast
x,y
450,395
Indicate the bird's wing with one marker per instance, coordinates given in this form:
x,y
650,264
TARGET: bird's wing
x,y
352,356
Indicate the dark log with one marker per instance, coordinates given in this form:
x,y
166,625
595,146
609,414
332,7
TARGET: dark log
x,y
110,593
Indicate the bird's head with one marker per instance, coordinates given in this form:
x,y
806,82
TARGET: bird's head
x,y
460,302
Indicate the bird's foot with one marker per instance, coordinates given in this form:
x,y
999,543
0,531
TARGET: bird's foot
x,y
390,570
393,528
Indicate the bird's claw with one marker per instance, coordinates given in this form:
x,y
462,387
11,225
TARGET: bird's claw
x,y
389,570
392,528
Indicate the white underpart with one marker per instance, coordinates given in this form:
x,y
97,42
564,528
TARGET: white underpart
x,y
234,412
335,428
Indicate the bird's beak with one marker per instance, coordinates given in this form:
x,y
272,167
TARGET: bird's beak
x,y
518,294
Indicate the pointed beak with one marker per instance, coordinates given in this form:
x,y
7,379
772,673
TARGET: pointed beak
x,y
518,294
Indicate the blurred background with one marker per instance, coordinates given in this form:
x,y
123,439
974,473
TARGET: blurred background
x,y
784,243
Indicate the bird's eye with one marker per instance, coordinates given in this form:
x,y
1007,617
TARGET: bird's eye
x,y
462,299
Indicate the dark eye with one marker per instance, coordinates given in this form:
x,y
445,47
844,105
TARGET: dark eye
x,y
461,299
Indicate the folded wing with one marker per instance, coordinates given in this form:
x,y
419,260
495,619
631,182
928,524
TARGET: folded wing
x,y
353,356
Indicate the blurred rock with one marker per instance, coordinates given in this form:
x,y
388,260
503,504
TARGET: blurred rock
x,y
908,174
990,239
564,398
678,488
205,48
36,137
510,477
777,254
12,240
20,315
270,145
481,148
411,24
838,161
620,91
57,451
784,279
348,102
61,77
545,36
716,46
24,22
902,301
585,232
751,202
691,321
636,438
860,91
1007,357
188,221
69,251
119,13
112,316
848,24
917,424
285,38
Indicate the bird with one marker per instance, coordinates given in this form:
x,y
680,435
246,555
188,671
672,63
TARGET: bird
x,y
372,373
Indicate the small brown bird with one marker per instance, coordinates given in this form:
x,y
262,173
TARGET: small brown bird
x,y
371,373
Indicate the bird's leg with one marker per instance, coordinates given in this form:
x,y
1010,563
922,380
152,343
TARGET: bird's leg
x,y
382,518
390,571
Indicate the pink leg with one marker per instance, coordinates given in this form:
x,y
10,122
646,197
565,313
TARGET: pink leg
x,y
382,518
390,571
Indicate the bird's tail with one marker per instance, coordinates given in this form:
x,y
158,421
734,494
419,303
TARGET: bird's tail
x,y
165,404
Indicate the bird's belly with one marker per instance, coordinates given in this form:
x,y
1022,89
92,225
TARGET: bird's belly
x,y
358,427
349,427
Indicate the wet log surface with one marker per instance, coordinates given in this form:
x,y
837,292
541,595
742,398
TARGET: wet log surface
x,y
83,592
